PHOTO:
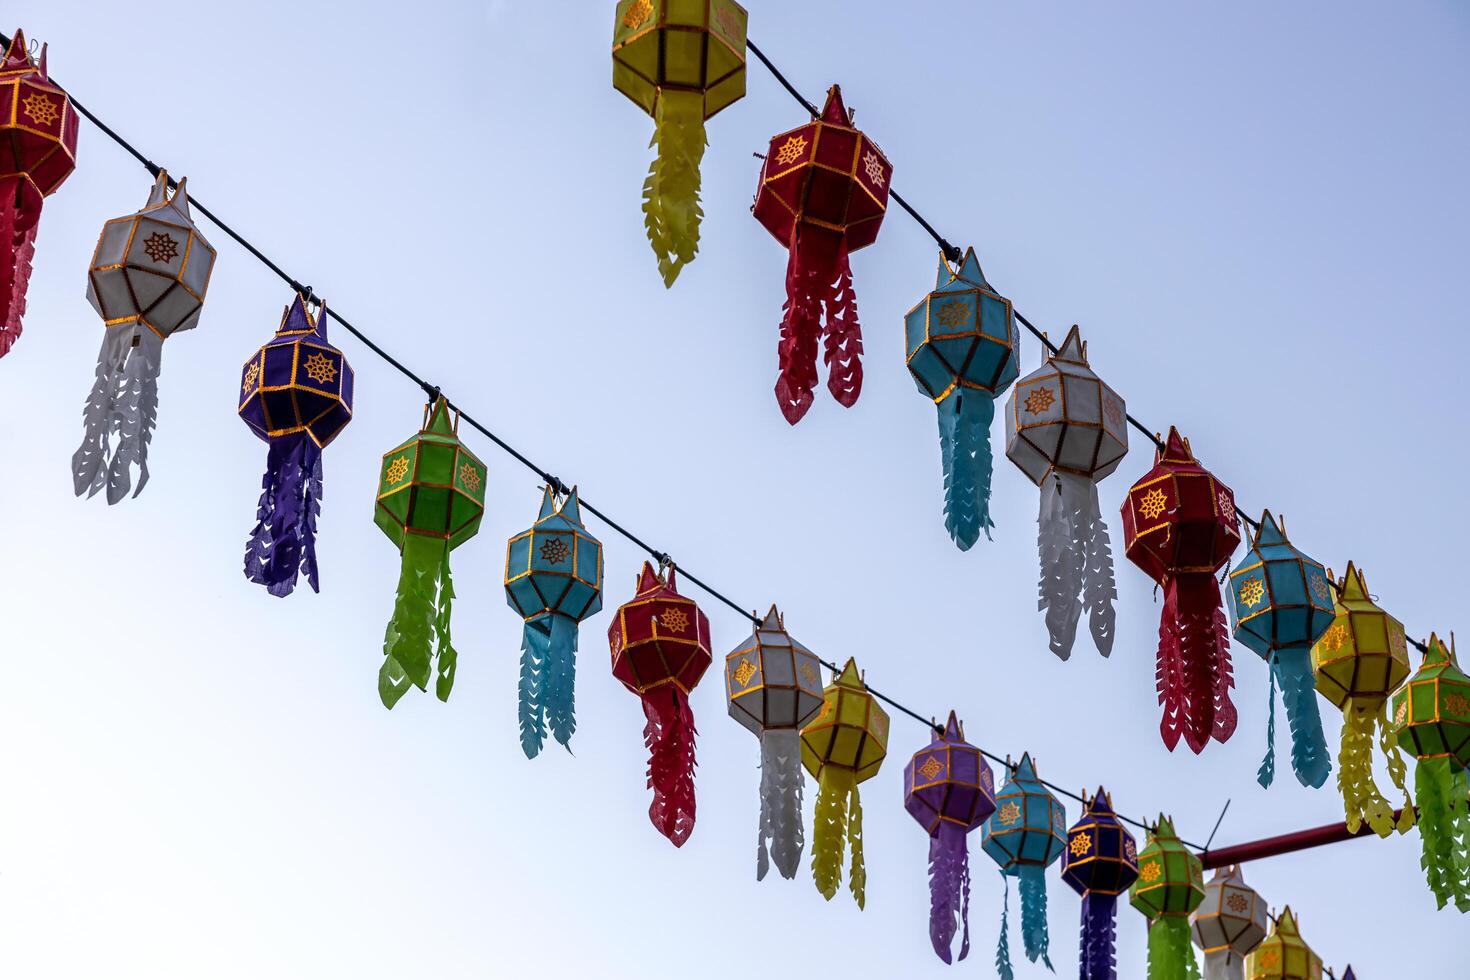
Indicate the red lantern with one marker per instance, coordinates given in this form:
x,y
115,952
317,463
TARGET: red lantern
x,y
38,153
660,650
823,192
1179,525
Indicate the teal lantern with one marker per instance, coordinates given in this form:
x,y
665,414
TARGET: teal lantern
x,y
553,579
963,352
1282,604
1025,835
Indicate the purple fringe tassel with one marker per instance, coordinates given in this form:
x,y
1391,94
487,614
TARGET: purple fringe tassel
x,y
283,543
1097,947
949,889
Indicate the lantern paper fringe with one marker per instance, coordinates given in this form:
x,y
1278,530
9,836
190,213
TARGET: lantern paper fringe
x,y
964,444
1224,965
1444,830
20,213
283,542
1033,913
417,643
1003,967
123,404
949,889
669,736
1076,564
1194,673
781,790
818,278
671,210
1361,798
839,822
1266,774
1310,759
1098,948
530,713
1170,955
548,682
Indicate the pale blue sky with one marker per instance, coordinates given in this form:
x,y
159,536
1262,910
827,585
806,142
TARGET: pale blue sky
x,y
1256,212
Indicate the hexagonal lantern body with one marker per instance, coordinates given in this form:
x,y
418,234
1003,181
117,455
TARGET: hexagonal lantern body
x,y
659,637
555,566
1230,922
962,335
1284,955
772,681
1062,417
1179,518
1431,712
152,268
1281,598
850,731
1029,826
1170,877
431,485
37,119
1101,856
298,382
949,782
693,46
1363,656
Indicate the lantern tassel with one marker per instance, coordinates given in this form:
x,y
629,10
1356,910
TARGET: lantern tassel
x,y
20,213
1099,941
123,403
418,634
559,689
1033,914
812,273
829,831
842,337
1443,826
949,868
530,712
1224,965
1360,796
1063,563
1310,759
1194,675
964,442
669,736
1099,588
1170,956
781,789
1397,771
857,873
671,210
1003,967
283,541
1267,772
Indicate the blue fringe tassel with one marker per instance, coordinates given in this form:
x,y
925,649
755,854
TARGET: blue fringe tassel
x,y
534,644
1310,759
964,439
1033,914
1003,947
1267,773
558,692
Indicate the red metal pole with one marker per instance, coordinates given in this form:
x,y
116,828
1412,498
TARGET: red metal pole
x,y
1333,833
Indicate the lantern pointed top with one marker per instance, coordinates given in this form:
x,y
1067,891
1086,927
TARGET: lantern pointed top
x,y
833,111
1025,769
954,731
1286,924
850,677
548,504
970,270
17,56
159,194
647,579
1229,873
1176,448
571,508
1436,655
1101,804
1354,586
296,318
438,418
1164,829
1073,348
1270,531
1348,974
772,620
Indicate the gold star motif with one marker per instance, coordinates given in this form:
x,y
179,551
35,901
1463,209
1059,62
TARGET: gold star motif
x,y
1237,903
955,314
161,247
791,151
252,372
1320,588
874,168
809,674
637,13
1150,872
1334,638
1252,592
1080,845
931,768
1039,400
554,550
319,368
1008,814
1270,958
1152,504
1456,704
43,111
397,470
675,620
744,671
1227,507
469,476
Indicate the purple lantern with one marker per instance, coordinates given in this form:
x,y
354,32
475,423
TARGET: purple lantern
x,y
1100,863
949,789
296,394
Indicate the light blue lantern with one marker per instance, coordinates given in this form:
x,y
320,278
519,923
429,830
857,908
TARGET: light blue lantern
x,y
1025,835
1282,604
963,352
553,578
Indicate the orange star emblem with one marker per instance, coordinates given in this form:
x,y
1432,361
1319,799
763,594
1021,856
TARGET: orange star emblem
x,y
744,671
674,620
791,151
1040,400
1152,504
1080,845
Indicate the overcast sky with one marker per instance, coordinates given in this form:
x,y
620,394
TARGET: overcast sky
x,y
1255,211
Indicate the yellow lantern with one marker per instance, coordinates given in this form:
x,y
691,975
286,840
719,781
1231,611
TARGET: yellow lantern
x,y
1284,955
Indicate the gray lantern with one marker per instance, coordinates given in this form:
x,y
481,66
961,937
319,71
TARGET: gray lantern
x,y
1229,923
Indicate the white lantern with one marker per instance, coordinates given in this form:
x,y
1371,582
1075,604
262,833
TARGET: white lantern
x,y
1229,923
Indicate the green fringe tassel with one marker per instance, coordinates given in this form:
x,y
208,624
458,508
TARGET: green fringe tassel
x,y
420,623
1170,954
671,211
1443,829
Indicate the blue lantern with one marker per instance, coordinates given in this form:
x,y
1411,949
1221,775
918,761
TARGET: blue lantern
x,y
963,352
1283,604
553,578
1024,835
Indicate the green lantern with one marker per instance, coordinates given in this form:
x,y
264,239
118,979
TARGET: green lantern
x,y
431,495
1170,885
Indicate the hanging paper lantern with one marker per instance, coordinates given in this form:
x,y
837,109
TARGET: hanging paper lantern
x,y
948,788
774,686
39,153
553,579
963,352
431,495
681,62
1024,835
296,394
1431,720
1067,430
148,280
1100,862
660,650
1283,604
1358,662
823,192
1179,527
1170,886
844,745
1229,923
1284,955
